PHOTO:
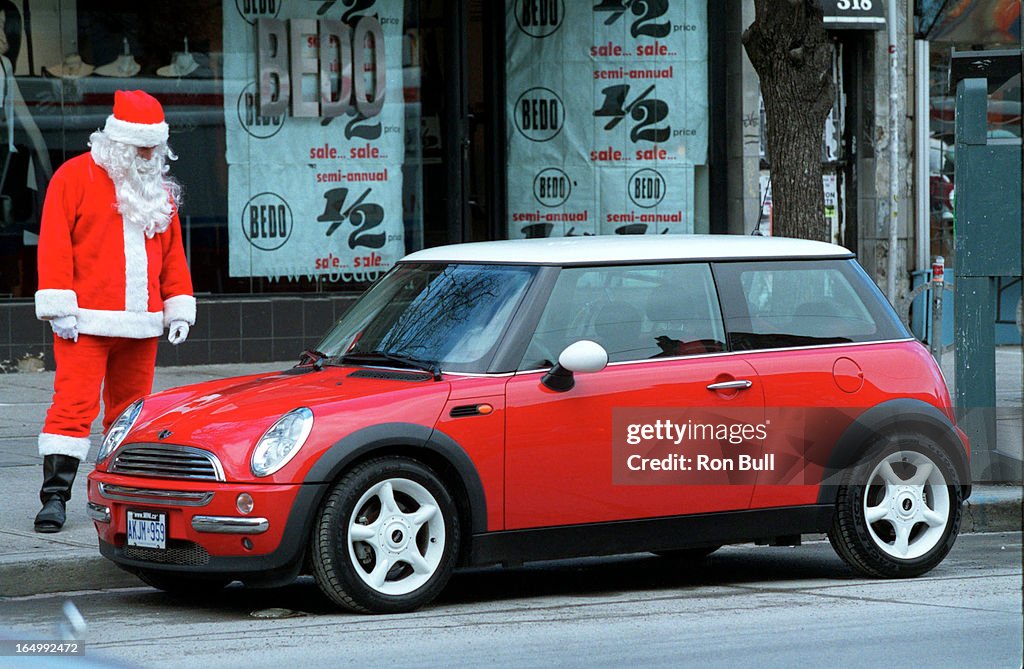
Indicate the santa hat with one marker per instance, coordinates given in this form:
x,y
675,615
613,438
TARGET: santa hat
x,y
138,119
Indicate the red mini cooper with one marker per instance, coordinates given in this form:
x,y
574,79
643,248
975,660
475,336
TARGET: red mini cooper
x,y
503,402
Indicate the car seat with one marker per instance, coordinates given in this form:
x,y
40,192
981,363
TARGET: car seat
x,y
617,327
678,320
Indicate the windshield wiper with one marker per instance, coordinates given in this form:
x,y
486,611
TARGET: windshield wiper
x,y
394,358
313,356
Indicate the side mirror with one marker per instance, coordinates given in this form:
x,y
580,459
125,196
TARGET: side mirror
x,y
582,356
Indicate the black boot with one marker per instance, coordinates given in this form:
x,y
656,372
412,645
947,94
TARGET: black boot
x,y
58,475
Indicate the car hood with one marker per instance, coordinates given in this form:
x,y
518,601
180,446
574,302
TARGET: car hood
x,y
228,416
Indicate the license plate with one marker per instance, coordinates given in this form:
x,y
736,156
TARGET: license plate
x,y
147,529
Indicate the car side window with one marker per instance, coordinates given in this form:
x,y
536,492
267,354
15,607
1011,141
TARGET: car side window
x,y
782,305
635,312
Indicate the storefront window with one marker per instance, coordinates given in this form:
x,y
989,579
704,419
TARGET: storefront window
x,y
1004,111
965,26
1004,125
941,140
323,194
607,105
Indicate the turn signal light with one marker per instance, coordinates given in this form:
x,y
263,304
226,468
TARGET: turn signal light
x,y
244,503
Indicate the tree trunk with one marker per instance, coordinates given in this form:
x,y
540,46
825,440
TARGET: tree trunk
x,y
791,52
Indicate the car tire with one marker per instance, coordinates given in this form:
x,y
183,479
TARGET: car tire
x,y
899,512
181,585
404,556
688,554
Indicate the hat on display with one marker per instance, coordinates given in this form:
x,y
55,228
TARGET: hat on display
x,y
71,68
138,119
124,66
182,64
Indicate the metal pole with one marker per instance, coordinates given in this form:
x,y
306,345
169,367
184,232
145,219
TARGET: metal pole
x,y
923,152
894,143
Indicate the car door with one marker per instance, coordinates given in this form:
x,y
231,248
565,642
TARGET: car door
x,y
569,457
806,329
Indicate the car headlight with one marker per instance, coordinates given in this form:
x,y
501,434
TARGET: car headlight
x,y
281,442
119,430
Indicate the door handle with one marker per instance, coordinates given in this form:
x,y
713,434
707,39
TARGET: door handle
x,y
738,384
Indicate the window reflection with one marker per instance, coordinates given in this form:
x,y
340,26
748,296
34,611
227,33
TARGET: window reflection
x,y
635,313
453,315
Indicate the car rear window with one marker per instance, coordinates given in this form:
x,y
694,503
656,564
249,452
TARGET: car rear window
x,y
803,303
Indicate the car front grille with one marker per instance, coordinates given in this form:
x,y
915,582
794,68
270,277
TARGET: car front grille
x,y
167,461
184,553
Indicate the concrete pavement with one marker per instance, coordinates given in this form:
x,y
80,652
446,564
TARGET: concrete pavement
x,y
33,563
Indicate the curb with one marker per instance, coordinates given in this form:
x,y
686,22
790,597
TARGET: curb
x,y
1000,510
66,571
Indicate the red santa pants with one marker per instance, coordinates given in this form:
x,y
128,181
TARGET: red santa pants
x,y
122,366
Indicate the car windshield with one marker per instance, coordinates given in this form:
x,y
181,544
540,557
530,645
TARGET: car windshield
x,y
445,315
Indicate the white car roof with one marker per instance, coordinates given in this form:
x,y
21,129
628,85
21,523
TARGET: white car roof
x,y
628,248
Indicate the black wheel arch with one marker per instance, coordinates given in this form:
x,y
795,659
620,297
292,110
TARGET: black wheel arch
x,y
898,415
433,448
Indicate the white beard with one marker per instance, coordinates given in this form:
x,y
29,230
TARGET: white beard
x,y
146,197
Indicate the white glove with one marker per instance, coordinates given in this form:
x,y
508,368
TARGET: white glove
x,y
178,333
66,327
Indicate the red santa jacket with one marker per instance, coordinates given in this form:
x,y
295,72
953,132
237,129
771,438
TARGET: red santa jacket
x,y
96,267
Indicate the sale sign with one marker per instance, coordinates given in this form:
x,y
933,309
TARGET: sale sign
x,y
315,127
608,115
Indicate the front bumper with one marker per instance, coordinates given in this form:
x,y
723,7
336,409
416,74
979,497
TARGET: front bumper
x,y
229,525
205,532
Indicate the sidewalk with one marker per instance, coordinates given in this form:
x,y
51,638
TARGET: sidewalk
x,y
33,563
1008,412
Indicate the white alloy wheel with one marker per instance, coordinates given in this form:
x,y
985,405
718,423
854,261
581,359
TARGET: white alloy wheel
x,y
899,512
396,536
386,537
906,504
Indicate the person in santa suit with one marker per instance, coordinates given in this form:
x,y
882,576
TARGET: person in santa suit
x,y
112,276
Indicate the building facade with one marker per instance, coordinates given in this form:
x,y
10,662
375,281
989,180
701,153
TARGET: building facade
x,y
319,141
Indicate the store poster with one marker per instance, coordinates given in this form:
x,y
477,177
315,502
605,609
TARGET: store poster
x,y
607,105
313,195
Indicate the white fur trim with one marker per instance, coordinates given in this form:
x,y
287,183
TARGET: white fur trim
x,y
55,302
180,308
61,444
136,269
136,134
130,324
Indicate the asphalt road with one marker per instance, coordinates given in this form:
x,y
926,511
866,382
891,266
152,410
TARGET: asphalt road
x,y
745,606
